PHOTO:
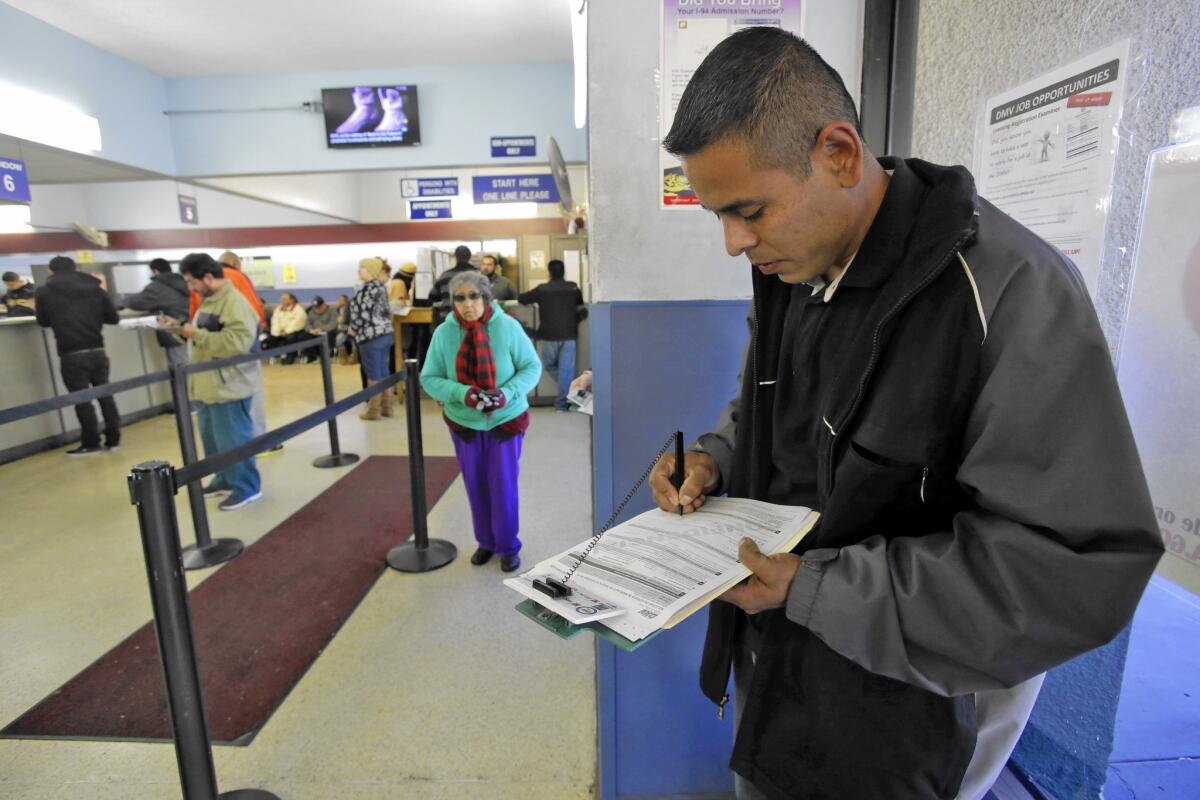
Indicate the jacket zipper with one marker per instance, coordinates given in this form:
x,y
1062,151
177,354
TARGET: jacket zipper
x,y
866,374
924,477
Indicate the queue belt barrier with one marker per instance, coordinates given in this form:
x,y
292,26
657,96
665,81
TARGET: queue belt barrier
x,y
152,487
152,490
82,396
227,458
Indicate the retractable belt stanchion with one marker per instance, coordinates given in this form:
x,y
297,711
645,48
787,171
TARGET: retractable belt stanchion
x,y
422,554
152,490
336,457
205,552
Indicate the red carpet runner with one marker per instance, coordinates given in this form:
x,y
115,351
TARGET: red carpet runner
x,y
261,620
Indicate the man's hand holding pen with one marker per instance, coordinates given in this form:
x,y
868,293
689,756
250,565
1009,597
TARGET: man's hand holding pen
x,y
700,476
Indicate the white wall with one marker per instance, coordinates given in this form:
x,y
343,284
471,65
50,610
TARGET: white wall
x,y
335,194
461,107
637,251
127,100
153,205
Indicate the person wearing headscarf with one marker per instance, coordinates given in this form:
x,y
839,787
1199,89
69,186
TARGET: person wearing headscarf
x,y
371,327
480,367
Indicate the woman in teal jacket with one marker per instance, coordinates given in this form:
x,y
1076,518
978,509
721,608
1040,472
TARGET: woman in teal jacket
x,y
480,366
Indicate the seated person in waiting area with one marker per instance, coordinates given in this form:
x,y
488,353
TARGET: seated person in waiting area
x,y
18,300
480,366
287,325
322,321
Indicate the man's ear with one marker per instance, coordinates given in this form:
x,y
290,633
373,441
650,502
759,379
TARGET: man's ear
x,y
839,149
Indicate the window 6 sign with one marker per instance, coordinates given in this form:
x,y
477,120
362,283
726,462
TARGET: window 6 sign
x,y
14,180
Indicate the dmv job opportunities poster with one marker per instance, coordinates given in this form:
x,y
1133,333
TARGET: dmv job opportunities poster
x,y
689,30
1047,153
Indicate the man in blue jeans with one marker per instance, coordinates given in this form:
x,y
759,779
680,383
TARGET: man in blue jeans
x,y
560,310
225,325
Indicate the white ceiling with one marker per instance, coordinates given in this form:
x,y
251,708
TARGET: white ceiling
x,y
192,38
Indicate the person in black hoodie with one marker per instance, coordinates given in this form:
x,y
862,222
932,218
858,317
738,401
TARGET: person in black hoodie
x,y
76,307
166,294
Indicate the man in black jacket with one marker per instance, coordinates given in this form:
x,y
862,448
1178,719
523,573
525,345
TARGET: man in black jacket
x,y
168,294
932,378
76,307
18,299
439,295
560,309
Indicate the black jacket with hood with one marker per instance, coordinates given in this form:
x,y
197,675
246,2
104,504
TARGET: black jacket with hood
x,y
76,308
984,512
166,293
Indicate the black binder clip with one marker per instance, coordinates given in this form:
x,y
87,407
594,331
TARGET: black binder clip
x,y
552,587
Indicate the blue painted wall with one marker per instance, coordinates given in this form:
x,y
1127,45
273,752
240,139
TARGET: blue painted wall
x,y
127,99
461,107
658,367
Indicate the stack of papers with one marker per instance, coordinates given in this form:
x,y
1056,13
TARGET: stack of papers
x,y
139,322
657,569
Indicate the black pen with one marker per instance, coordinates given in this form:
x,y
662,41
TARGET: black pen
x,y
677,478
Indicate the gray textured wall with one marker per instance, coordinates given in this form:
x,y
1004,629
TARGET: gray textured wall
x,y
969,51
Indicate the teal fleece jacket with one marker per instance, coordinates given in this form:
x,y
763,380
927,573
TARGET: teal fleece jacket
x,y
518,370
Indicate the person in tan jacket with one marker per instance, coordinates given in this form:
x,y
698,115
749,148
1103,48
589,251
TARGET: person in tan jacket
x,y
225,325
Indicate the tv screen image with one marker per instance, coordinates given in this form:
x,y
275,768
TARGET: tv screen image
x,y
371,116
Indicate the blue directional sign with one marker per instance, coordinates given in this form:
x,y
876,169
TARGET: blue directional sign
x,y
428,187
189,210
515,188
14,180
429,209
510,146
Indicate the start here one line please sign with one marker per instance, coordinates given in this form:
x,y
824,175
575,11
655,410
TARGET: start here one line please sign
x,y
514,189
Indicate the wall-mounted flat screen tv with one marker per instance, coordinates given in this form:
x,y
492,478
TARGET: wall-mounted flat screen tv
x,y
371,116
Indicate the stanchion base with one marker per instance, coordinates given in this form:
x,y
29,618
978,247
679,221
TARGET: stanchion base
x,y
247,794
216,552
407,558
340,460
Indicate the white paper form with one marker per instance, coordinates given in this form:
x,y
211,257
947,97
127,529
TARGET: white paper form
x,y
660,567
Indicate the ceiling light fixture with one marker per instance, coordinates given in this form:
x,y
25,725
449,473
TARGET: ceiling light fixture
x,y
15,219
35,117
579,48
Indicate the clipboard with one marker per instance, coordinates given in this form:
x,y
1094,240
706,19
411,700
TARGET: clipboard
x,y
567,630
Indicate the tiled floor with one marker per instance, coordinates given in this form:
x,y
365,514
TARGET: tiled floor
x,y
435,688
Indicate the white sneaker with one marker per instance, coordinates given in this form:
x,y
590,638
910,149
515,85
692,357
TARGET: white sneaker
x,y
232,502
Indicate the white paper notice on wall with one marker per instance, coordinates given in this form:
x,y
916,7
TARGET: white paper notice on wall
x,y
571,265
1046,151
687,32
1160,354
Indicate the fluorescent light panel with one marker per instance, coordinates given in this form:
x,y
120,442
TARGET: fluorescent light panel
x,y
35,117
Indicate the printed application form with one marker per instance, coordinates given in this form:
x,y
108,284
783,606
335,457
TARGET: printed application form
x,y
655,570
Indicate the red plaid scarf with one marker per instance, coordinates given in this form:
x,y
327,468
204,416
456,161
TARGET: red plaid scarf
x,y
474,365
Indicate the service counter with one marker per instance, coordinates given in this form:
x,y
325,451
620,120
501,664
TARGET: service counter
x,y
31,373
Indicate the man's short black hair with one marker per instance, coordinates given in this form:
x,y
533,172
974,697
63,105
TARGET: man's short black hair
x,y
318,301
200,264
62,264
556,268
767,87
160,265
462,253
9,277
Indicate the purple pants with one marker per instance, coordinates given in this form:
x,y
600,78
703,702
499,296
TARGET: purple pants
x,y
490,468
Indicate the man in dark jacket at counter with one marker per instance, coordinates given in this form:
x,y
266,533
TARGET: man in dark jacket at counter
x,y
932,378
76,307
560,309
167,294
439,295
18,299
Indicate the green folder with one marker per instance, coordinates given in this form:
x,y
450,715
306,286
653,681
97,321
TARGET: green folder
x,y
565,630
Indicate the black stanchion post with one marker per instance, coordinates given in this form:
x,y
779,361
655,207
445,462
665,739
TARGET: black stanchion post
x,y
152,490
422,554
205,552
336,457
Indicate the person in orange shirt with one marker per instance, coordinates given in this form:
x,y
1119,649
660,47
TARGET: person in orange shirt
x,y
232,265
